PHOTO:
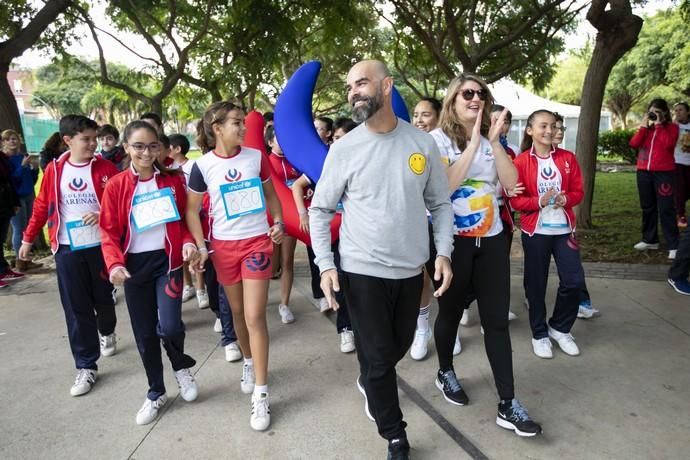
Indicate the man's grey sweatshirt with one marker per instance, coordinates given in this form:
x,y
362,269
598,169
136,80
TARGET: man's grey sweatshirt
x,y
385,182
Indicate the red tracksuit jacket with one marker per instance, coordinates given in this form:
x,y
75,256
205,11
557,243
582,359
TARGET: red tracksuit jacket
x,y
116,224
655,147
47,203
527,203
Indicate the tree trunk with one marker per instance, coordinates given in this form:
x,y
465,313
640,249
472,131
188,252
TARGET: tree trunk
x,y
618,30
9,113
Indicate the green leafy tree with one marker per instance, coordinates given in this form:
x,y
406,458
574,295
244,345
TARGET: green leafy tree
x,y
566,85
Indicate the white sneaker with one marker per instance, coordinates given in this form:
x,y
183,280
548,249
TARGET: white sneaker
x,y
347,341
420,345
83,382
457,348
187,385
542,348
566,342
672,254
108,344
467,318
187,293
232,352
248,379
511,315
202,299
587,311
261,412
323,305
642,246
149,411
285,313
218,326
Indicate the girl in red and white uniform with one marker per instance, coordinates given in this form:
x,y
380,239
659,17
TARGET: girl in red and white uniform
x,y
284,171
238,181
145,242
553,186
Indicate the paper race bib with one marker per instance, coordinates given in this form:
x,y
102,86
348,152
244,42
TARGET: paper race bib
x,y
82,236
243,198
154,208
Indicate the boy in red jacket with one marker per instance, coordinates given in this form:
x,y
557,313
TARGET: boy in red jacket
x,y
69,201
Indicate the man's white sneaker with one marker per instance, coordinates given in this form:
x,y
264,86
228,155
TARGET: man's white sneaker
x,y
672,254
542,348
511,315
108,344
232,352
149,411
83,382
467,317
285,313
420,345
218,326
202,299
187,385
347,341
642,246
248,379
457,348
187,293
261,412
323,305
566,342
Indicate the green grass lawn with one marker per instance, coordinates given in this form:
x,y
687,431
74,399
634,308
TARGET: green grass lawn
x,y
617,221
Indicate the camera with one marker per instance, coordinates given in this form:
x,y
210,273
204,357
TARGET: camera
x,y
652,116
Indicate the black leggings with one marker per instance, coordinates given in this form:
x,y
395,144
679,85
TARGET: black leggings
x,y
480,266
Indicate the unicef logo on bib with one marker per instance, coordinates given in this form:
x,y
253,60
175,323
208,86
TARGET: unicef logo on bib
x,y
77,184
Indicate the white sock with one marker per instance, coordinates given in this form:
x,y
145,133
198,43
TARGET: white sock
x,y
249,361
259,389
423,318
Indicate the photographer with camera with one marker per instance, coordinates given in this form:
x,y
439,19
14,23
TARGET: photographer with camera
x,y
656,141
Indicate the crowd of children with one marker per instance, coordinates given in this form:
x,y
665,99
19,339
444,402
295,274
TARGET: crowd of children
x,y
132,210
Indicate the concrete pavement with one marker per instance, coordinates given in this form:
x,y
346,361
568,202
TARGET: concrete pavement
x,y
627,395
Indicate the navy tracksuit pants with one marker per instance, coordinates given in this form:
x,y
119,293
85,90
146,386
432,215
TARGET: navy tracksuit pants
x,y
154,301
219,304
566,252
85,295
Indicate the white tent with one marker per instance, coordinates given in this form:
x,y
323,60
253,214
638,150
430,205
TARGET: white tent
x,y
522,103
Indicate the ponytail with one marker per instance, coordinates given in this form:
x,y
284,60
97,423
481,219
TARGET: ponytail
x,y
215,113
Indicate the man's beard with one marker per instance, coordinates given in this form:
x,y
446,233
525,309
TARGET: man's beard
x,y
364,112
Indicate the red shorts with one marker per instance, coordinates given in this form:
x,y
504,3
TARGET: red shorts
x,y
239,260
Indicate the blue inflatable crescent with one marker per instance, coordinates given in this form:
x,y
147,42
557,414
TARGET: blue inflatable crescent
x,y
295,126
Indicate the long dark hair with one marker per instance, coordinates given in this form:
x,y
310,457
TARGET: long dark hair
x,y
215,113
137,125
527,140
662,105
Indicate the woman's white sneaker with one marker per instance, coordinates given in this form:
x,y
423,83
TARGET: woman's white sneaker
x,y
202,299
285,313
457,348
261,412
187,385
248,379
420,345
149,411
232,352
83,382
467,317
542,348
565,341
187,293
218,326
347,341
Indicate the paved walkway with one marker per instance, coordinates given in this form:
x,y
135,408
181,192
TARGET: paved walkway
x,y
626,397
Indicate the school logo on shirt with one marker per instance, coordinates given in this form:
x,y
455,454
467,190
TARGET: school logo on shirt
x,y
233,175
548,173
417,163
77,184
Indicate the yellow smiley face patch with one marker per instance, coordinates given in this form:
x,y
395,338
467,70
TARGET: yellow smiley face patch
x,y
417,163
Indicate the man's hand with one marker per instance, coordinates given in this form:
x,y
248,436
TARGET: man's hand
x,y
443,273
330,285
119,275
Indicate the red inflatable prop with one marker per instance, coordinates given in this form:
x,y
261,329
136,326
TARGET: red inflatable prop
x,y
254,138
